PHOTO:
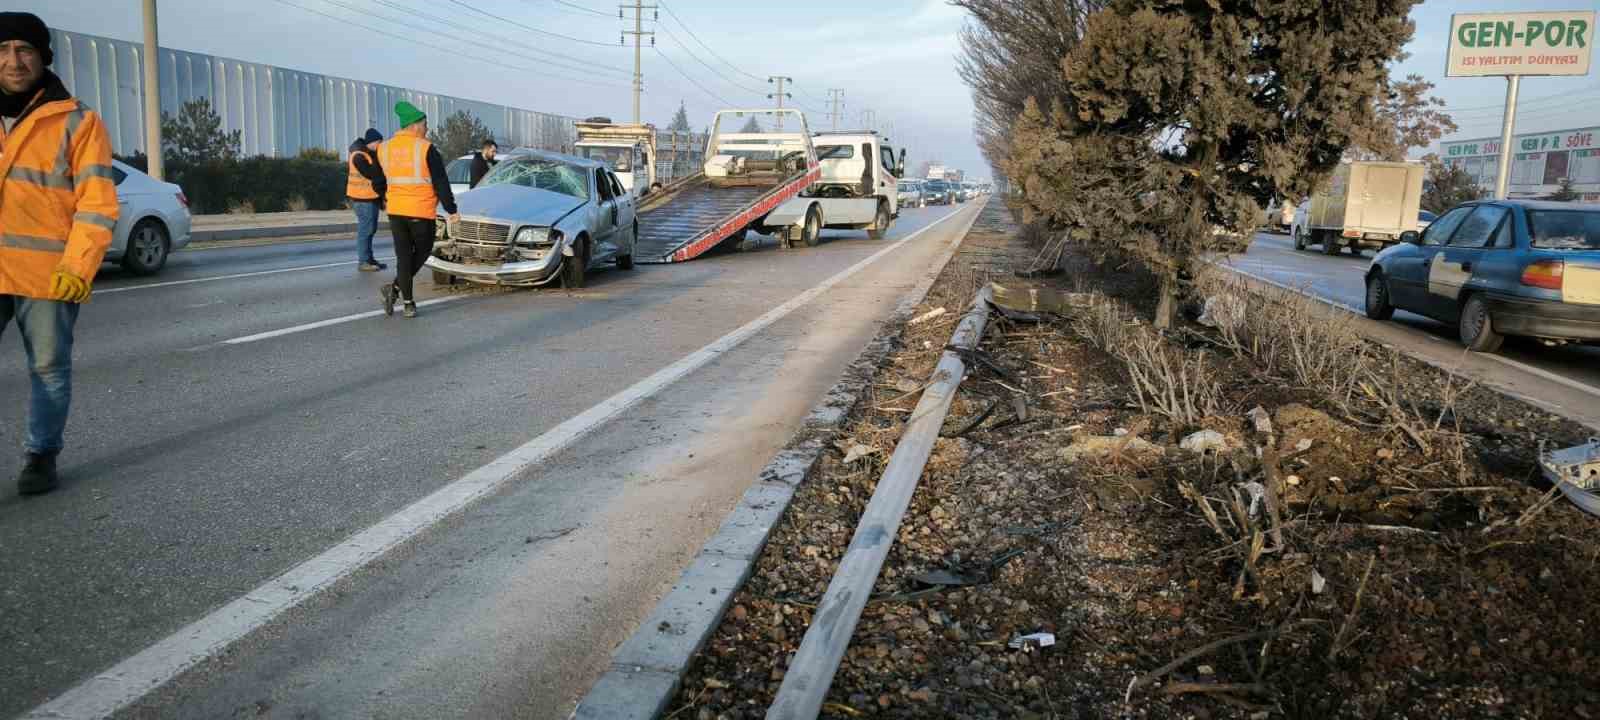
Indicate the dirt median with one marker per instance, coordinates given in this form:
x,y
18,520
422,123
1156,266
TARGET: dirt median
x,y
1341,565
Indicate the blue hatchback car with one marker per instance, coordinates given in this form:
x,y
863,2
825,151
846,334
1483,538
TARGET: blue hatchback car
x,y
1498,268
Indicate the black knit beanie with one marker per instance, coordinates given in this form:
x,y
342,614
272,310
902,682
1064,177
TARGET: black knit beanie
x,y
28,28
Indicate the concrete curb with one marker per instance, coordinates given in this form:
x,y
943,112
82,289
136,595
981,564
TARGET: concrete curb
x,y
252,233
648,667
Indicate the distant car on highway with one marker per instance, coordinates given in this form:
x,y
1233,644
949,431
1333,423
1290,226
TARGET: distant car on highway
x,y
1424,219
1498,268
154,221
535,218
911,194
938,192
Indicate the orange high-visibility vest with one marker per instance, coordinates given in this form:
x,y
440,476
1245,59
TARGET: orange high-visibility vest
x,y
358,187
58,195
404,159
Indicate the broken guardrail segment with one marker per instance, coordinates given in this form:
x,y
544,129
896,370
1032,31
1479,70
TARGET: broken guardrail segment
x,y
805,684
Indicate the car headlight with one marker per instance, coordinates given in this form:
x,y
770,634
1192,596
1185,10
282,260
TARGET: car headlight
x,y
533,236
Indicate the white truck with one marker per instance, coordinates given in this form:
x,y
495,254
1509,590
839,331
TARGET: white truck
x,y
1365,205
858,188
629,150
745,178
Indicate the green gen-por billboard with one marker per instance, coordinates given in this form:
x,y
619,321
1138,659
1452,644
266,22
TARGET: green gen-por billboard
x,y
1528,43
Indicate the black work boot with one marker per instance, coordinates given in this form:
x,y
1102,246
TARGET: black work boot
x,y
38,475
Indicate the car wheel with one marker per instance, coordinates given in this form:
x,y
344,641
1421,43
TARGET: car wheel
x,y
880,224
148,247
574,269
1477,327
1299,234
1378,306
441,277
1330,243
811,232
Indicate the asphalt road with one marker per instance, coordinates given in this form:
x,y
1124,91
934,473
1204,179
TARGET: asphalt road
x,y
243,412
1569,376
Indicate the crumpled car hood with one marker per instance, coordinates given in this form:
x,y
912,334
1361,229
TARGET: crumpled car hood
x,y
517,204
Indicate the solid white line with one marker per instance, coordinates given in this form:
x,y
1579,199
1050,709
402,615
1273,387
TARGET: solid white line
x,y
1531,370
259,273
268,335
131,679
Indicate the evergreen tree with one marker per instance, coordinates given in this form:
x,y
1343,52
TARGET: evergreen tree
x,y
196,136
1181,120
459,134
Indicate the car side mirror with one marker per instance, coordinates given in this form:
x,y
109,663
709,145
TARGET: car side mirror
x,y
1411,236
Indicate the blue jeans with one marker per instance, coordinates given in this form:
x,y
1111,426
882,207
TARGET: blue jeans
x,y
366,227
46,328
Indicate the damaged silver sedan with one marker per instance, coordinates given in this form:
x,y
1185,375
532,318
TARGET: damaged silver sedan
x,y
538,217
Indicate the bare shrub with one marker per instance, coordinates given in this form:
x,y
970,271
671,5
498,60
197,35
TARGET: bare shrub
x,y
241,207
1170,380
298,203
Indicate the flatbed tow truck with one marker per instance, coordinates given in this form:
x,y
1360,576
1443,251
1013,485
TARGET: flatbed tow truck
x,y
745,177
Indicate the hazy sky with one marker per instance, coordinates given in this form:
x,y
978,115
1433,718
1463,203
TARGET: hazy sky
x,y
894,57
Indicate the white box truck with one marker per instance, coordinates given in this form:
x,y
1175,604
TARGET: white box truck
x,y
1365,205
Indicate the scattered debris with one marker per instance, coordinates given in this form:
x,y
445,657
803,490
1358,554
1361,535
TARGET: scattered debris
x,y
929,315
856,451
1576,470
1032,641
1222,312
1206,442
1098,447
1261,420
1318,582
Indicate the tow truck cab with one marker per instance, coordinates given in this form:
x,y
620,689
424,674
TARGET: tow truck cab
x,y
628,150
859,187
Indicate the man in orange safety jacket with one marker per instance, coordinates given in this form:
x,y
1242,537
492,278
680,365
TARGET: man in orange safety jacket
x,y
58,206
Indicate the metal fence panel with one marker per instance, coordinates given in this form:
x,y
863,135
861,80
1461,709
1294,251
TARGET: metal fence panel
x,y
277,111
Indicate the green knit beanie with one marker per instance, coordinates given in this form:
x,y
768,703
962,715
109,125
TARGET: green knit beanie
x,y
408,113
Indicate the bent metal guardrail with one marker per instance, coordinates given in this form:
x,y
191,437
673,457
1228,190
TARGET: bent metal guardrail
x,y
810,673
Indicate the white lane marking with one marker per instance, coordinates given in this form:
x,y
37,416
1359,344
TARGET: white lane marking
x,y
107,692
1531,370
259,273
268,335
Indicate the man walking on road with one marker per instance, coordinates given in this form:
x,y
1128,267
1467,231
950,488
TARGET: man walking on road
x,y
482,162
365,188
417,187
58,205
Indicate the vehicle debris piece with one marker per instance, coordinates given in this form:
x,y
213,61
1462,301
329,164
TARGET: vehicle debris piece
x,y
1576,470
1205,442
1261,420
1032,641
1033,300
856,451
1318,582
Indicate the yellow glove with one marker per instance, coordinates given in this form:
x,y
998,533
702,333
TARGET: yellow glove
x,y
66,287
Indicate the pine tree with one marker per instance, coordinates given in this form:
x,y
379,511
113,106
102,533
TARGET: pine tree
x,y
1182,120
1447,186
196,136
680,120
459,134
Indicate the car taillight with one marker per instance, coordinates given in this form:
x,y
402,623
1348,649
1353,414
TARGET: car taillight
x,y
183,200
1544,274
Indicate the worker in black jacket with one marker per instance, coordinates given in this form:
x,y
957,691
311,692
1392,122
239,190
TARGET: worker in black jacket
x,y
482,161
364,188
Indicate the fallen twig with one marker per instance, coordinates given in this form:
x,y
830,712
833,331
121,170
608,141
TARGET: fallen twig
x,y
1338,637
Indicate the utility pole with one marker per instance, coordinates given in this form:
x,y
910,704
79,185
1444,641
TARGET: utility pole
x,y
152,93
638,7
780,80
836,99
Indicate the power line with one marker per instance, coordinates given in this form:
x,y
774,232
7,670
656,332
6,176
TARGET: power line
x,y
703,44
1497,106
530,28
502,39
424,43
714,96
581,7
707,65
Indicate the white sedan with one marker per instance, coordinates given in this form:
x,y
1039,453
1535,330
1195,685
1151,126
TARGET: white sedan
x,y
154,221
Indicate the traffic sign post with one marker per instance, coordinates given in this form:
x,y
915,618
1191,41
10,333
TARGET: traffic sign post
x,y
1517,44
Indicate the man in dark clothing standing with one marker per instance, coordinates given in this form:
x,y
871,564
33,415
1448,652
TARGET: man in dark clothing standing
x,y
482,161
365,188
418,185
